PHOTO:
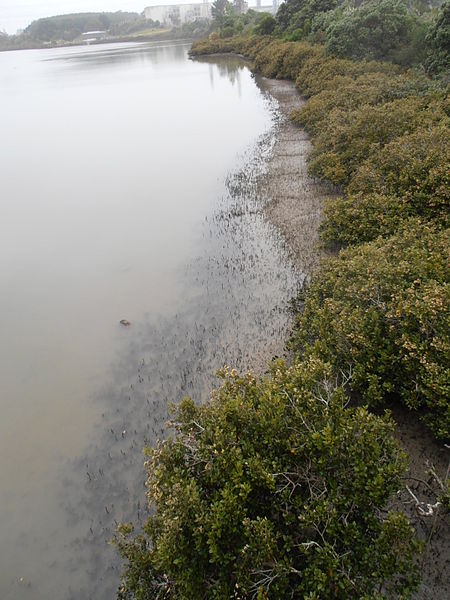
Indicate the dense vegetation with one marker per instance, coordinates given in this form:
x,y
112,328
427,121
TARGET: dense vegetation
x,y
278,488
407,32
273,489
381,136
438,42
381,311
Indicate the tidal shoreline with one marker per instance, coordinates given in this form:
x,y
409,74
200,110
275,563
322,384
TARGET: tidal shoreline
x,y
294,199
294,202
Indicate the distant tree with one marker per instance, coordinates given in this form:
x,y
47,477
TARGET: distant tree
x,y
266,25
299,14
69,27
438,43
286,12
379,29
220,9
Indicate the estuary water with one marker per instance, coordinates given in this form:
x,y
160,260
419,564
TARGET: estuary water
x,y
129,190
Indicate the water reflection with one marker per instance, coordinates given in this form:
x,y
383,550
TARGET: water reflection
x,y
226,66
110,55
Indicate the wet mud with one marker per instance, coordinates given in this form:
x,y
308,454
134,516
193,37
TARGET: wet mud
x,y
429,464
294,199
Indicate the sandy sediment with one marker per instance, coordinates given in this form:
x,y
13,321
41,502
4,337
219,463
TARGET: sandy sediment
x,y
294,207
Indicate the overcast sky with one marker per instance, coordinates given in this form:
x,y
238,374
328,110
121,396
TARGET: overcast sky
x,y
17,14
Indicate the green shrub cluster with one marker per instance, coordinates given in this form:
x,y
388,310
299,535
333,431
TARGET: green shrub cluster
x,y
273,489
409,177
383,137
249,46
381,134
380,311
403,31
349,137
378,29
438,43
271,57
349,91
318,74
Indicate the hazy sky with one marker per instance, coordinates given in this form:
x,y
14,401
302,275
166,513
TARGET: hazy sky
x,y
17,14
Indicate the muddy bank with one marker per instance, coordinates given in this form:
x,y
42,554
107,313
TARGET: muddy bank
x,y
293,205
294,199
427,459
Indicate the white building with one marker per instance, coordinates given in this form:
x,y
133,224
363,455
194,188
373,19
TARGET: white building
x,y
268,8
178,14
93,36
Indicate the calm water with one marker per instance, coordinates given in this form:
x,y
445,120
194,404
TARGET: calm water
x,y
129,190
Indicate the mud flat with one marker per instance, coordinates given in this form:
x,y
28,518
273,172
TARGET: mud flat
x,y
294,199
294,203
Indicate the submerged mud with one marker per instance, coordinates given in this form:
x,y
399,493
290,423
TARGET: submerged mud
x,y
236,311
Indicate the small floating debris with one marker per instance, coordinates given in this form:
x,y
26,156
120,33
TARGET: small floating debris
x,y
23,582
125,322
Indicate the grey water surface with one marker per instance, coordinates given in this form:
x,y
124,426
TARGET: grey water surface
x,y
129,190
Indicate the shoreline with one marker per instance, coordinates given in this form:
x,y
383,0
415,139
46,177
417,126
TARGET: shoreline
x,y
294,199
139,39
294,207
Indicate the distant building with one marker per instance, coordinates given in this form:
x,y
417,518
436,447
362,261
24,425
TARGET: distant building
x,y
178,14
268,8
240,6
93,36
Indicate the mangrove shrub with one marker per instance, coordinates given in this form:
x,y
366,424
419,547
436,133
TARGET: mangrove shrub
x,y
349,137
438,43
409,177
381,311
272,489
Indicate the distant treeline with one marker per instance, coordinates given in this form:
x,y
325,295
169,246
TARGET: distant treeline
x,y
69,28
